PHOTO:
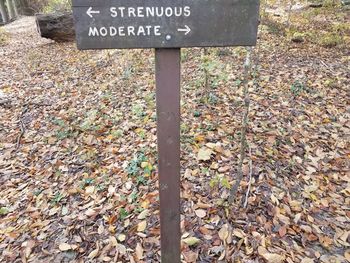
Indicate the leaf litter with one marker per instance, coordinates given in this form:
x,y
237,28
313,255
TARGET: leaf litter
x,y
82,184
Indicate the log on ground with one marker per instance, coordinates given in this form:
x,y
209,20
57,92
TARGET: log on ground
x,y
56,26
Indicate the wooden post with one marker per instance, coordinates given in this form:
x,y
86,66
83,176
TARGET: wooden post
x,y
168,134
3,11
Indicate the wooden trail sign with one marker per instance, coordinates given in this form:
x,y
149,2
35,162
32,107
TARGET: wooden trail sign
x,y
166,25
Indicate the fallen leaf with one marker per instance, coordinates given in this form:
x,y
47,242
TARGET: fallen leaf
x,y
270,257
307,260
223,233
200,213
204,154
142,226
143,214
121,237
139,251
191,241
94,253
90,189
190,256
64,247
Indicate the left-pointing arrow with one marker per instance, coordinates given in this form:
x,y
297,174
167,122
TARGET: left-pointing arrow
x,y
89,12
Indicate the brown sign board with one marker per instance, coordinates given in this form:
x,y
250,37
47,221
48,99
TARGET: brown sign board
x,y
104,24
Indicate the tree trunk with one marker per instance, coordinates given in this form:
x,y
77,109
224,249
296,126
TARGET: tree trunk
x,y
24,9
3,12
15,7
56,26
11,9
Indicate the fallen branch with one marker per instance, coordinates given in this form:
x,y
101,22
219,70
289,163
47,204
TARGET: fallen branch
x,y
247,66
250,178
22,126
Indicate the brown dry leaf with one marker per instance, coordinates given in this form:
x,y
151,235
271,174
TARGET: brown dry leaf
x,y
91,212
270,257
204,154
307,260
64,247
347,255
223,233
139,251
238,233
200,213
121,237
142,226
143,214
282,231
28,247
190,256
94,253
306,228
90,189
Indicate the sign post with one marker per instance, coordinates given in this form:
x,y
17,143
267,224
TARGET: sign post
x,y
166,25
168,135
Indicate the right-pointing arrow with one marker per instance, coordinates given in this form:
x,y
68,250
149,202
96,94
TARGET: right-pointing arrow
x,y
187,29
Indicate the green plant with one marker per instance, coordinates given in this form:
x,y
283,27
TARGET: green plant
x,y
123,213
219,181
57,198
297,87
197,113
141,180
57,5
330,40
212,99
117,133
4,37
138,110
89,120
134,165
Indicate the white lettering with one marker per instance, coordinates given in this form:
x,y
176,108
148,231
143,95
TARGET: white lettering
x,y
131,31
187,11
140,31
178,11
149,11
157,31
114,12
140,11
131,10
121,31
148,29
113,31
159,11
121,9
93,31
168,11
103,31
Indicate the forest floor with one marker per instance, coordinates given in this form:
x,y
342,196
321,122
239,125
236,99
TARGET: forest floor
x,y
78,155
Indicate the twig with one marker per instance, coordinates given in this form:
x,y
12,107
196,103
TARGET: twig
x,y
250,178
247,66
22,126
326,66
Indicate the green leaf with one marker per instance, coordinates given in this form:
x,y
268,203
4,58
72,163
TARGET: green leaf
x,y
4,211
